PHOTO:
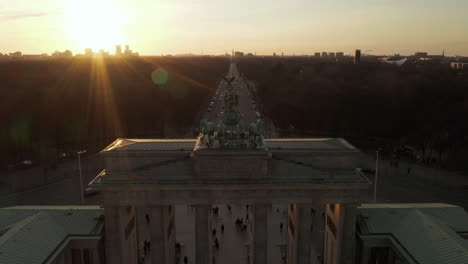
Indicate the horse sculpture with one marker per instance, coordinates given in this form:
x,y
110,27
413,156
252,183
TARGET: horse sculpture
x,y
255,133
207,129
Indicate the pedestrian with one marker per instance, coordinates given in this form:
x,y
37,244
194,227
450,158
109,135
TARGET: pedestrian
x,y
149,246
247,217
147,219
214,232
277,210
145,247
409,170
216,243
185,259
281,226
222,229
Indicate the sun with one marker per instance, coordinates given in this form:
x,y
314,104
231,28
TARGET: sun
x,y
95,24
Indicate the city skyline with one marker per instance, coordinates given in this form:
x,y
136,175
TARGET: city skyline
x,y
208,27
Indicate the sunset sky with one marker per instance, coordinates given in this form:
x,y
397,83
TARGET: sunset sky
x,y
217,26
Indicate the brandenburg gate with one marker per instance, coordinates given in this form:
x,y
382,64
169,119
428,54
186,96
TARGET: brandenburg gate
x,y
227,164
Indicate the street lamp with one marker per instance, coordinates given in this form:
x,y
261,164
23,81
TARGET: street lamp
x,y
81,176
376,174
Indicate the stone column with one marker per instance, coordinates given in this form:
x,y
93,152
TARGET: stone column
x,y
365,254
162,234
120,234
260,233
348,236
95,259
113,236
202,234
391,256
299,233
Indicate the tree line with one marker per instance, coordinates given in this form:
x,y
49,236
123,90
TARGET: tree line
x,y
422,108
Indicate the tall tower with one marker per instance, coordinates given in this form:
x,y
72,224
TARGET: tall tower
x,y
357,57
118,50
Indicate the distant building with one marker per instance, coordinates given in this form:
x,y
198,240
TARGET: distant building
x,y
128,51
317,54
118,50
89,52
250,54
411,233
420,54
16,55
238,54
52,234
331,55
65,54
459,65
357,56
339,55
324,55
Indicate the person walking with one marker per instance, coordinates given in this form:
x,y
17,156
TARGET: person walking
x,y
185,259
281,226
147,219
222,229
409,170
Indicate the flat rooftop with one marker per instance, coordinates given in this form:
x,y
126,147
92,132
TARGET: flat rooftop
x,y
429,233
32,234
283,144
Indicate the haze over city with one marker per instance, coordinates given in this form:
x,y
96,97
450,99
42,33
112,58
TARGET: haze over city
x,y
214,27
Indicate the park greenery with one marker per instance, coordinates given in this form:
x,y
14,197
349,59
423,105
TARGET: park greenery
x,y
50,108
419,110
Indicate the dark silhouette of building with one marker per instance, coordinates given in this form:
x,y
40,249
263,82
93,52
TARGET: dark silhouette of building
x,y
238,54
420,54
357,57
118,50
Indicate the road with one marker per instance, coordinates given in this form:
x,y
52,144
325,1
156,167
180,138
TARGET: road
x,y
421,185
247,105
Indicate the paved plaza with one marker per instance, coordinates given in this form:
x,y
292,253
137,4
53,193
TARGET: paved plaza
x,y
233,241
